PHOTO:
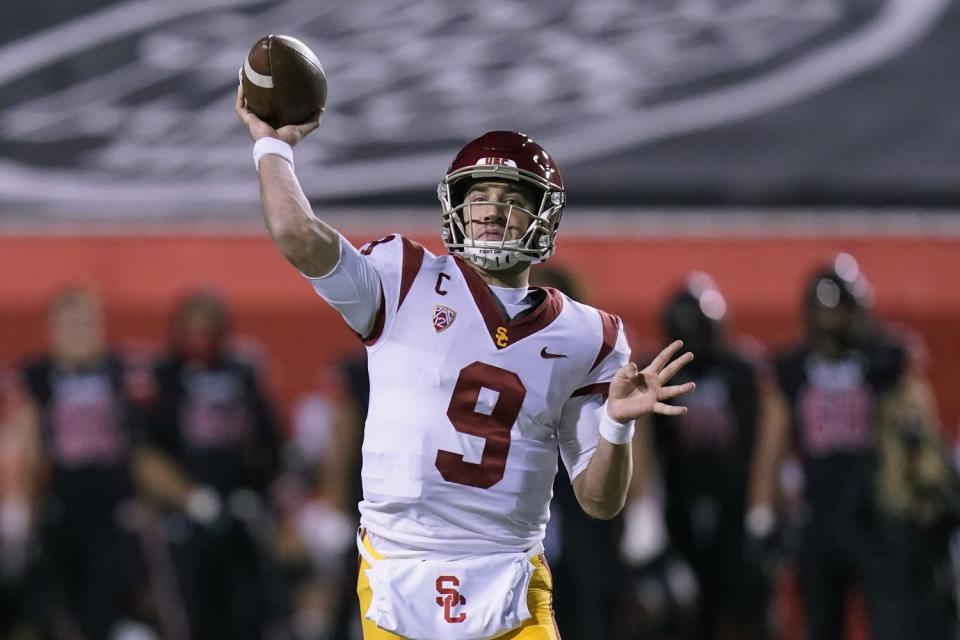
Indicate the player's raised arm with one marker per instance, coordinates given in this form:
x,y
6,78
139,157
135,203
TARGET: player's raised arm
x,y
634,393
338,273
304,240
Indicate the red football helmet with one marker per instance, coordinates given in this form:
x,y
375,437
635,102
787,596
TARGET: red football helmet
x,y
508,156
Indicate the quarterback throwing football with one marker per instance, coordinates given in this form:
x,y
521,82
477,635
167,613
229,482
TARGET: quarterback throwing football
x,y
476,381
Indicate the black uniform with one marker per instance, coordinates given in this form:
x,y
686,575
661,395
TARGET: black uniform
x,y
90,566
216,424
842,539
705,456
356,382
589,572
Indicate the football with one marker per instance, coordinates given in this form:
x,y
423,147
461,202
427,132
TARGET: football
x,y
283,81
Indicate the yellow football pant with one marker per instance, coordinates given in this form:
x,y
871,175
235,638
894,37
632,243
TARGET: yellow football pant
x,y
541,626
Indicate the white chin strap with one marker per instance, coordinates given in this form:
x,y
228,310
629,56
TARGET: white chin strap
x,y
494,256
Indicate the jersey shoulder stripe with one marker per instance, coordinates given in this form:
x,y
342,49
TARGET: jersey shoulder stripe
x,y
378,322
397,261
611,327
413,254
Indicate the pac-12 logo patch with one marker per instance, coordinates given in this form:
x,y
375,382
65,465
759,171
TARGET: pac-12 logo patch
x,y
443,317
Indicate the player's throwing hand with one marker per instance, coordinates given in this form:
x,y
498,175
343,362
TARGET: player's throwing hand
x,y
635,392
291,134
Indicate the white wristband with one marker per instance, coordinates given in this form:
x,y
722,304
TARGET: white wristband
x,y
615,432
272,146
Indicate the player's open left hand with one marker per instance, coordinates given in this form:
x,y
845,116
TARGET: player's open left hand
x,y
291,134
635,392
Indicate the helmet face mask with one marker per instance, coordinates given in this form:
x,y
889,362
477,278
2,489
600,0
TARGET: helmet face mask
x,y
503,156
837,305
696,314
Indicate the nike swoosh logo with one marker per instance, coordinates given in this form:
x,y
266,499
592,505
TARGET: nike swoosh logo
x,y
546,354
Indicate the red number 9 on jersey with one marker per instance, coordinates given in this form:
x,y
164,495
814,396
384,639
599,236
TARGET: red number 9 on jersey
x,y
494,428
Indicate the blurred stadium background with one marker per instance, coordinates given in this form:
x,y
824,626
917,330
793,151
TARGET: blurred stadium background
x,y
749,139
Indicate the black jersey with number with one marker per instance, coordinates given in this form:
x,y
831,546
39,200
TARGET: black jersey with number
x,y
216,423
87,427
705,454
832,406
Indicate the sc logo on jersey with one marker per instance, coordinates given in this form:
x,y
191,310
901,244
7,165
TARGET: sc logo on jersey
x,y
449,598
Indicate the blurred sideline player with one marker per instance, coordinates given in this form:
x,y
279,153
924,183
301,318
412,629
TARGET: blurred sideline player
x,y
85,420
839,381
475,381
207,459
707,466
917,492
319,497
18,463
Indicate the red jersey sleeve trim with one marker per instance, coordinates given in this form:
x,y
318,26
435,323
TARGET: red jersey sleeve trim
x,y
611,326
599,388
378,322
412,261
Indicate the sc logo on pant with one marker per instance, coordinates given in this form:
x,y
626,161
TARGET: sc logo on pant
x,y
449,598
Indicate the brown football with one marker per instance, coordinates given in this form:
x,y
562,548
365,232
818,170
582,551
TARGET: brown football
x,y
283,82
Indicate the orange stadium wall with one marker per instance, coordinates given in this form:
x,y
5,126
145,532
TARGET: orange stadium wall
x,y
140,277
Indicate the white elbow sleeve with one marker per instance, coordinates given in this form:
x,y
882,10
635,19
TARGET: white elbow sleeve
x,y
352,287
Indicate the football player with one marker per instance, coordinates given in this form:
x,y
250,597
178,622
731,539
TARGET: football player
x,y
18,476
476,381
209,453
718,504
80,399
833,380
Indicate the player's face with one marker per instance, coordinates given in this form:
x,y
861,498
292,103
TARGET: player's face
x,y
497,211
831,329
76,331
199,332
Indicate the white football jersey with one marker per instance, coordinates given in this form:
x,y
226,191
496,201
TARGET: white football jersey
x,y
468,408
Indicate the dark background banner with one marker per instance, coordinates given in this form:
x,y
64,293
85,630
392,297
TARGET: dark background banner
x,y
124,108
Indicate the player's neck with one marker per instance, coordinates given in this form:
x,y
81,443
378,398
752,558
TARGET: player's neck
x,y
516,277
